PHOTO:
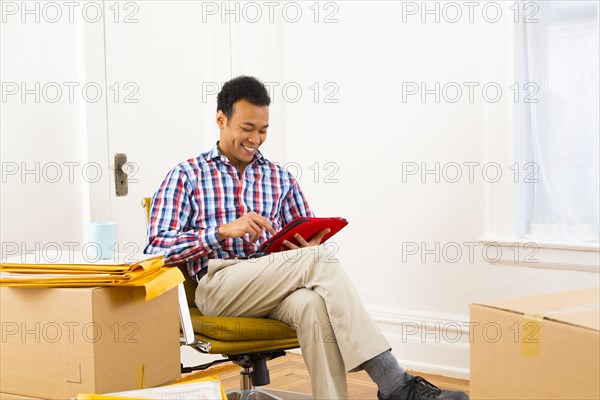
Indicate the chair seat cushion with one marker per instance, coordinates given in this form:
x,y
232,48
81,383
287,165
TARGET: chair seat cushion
x,y
250,346
240,329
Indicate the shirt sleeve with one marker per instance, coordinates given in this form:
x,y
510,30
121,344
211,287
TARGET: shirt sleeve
x,y
295,204
169,229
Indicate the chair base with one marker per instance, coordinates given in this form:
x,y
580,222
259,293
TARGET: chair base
x,y
265,394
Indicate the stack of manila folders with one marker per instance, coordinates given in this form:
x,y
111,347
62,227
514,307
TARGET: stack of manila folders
x,y
207,388
42,269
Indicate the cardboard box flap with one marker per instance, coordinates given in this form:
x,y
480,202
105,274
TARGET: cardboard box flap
x,y
579,307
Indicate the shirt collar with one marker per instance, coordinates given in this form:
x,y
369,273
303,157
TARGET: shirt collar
x,y
215,154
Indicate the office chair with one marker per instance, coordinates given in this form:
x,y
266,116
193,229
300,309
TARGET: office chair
x,y
247,342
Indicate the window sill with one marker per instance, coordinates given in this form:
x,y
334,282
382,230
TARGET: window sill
x,y
569,256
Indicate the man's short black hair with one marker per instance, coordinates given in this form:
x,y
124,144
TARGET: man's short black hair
x,y
242,88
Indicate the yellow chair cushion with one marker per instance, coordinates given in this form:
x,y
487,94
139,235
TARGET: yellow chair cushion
x,y
252,346
233,335
237,329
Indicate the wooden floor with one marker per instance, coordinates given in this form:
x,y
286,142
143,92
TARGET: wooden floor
x,y
289,373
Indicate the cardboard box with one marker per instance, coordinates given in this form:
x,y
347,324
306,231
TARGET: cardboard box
x,y
10,396
541,347
58,342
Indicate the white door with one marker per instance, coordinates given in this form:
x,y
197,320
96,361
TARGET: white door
x,y
163,64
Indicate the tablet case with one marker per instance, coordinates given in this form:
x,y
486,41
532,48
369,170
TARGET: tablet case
x,y
307,227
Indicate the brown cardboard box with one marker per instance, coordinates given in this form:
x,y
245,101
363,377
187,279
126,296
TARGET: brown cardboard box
x,y
541,347
59,342
10,396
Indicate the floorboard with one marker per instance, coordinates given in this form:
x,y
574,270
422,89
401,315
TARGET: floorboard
x,y
289,373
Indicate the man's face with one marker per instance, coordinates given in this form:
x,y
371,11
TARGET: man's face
x,y
243,133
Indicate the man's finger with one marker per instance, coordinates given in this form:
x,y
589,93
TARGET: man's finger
x,y
254,231
319,236
290,245
301,240
262,221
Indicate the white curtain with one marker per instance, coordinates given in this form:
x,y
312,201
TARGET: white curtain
x,y
561,59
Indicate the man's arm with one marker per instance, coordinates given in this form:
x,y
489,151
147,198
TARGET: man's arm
x,y
169,229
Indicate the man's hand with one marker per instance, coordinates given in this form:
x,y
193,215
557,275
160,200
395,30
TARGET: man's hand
x,y
250,223
314,241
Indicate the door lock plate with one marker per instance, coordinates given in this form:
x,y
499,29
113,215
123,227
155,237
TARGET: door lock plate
x,y
121,186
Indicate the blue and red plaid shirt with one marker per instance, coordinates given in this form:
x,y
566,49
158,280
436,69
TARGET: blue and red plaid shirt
x,y
203,193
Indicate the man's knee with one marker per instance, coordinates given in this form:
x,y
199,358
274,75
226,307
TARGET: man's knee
x,y
316,322
314,302
306,305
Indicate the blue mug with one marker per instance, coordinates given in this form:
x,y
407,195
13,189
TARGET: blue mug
x,y
103,236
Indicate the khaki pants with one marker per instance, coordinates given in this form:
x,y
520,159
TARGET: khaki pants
x,y
309,290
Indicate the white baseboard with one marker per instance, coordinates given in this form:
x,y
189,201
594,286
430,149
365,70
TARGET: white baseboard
x,y
427,341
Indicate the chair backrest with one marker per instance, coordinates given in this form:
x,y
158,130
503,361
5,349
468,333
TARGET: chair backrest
x,y
146,203
190,283
186,290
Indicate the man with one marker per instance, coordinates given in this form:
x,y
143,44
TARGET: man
x,y
213,211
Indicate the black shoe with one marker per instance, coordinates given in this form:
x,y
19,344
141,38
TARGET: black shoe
x,y
418,388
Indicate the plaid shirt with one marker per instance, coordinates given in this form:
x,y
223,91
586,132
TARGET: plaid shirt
x,y
202,193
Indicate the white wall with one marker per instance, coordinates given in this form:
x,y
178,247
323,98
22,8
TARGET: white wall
x,y
45,204
371,131
171,52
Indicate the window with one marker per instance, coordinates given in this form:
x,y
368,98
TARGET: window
x,y
560,122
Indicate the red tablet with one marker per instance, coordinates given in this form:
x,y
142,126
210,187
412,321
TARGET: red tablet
x,y
307,227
